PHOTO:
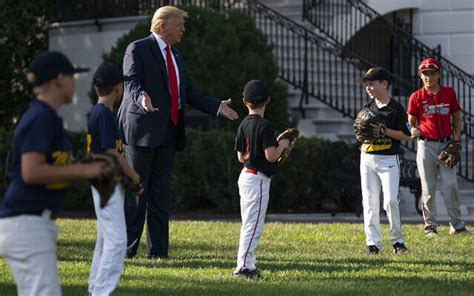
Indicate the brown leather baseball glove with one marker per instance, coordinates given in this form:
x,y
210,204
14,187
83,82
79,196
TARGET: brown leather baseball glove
x,y
291,134
135,188
451,154
108,179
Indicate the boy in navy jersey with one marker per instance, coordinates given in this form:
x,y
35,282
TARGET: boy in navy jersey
x,y
257,148
104,136
40,172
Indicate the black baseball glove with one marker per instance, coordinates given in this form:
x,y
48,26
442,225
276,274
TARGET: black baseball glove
x,y
108,179
368,125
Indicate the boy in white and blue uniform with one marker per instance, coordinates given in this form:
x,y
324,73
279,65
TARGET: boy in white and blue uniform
x,y
40,172
104,136
258,149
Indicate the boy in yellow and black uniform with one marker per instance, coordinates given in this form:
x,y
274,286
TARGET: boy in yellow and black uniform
x,y
379,163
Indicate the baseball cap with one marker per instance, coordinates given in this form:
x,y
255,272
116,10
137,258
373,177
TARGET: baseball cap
x,y
48,65
255,92
429,64
108,74
376,73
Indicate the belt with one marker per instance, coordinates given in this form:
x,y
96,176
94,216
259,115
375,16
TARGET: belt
x,y
441,140
250,171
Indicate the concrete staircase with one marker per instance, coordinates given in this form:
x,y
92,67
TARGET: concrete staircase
x,y
322,121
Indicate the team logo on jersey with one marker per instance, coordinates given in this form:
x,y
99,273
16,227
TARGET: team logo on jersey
x,y
442,109
119,146
89,142
379,144
60,158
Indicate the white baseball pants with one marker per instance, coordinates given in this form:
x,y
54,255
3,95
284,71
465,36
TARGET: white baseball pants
x,y
254,190
28,244
380,173
111,244
428,168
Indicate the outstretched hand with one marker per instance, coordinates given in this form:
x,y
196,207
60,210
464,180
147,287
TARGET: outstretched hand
x,y
227,111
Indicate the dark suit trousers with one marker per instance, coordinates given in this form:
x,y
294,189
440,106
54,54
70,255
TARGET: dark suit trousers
x,y
155,167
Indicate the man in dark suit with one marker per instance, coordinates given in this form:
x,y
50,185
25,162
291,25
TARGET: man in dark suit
x,y
151,117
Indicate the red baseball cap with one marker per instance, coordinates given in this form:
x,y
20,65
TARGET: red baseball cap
x,y
429,64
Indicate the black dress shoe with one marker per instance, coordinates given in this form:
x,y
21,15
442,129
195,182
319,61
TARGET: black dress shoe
x,y
161,257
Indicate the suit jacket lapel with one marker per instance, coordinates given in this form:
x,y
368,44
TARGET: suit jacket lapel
x,y
155,50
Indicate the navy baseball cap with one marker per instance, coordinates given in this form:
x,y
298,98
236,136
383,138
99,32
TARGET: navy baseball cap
x,y
373,74
108,74
48,65
255,92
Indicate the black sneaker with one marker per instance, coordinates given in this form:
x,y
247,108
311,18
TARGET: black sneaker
x,y
430,230
247,273
463,230
373,250
399,248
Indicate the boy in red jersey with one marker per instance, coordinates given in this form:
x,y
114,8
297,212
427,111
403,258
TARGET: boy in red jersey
x,y
430,111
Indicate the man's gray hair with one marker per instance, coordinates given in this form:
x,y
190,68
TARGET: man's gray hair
x,y
163,14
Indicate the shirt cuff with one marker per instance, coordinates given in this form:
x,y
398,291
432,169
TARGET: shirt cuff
x,y
219,110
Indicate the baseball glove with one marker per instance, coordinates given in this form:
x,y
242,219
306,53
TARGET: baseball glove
x,y
129,185
368,125
290,134
111,174
451,154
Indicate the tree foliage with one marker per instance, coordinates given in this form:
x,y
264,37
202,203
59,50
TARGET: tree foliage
x,y
24,27
222,52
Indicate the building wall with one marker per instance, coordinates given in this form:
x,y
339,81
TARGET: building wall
x,y
84,42
449,23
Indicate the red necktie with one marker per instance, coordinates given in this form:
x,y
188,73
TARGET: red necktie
x,y
173,86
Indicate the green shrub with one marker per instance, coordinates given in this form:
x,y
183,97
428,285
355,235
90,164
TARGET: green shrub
x,y
222,52
205,178
24,27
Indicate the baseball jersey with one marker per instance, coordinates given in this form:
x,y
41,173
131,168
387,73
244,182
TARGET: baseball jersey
x,y
102,130
254,135
433,111
39,130
394,117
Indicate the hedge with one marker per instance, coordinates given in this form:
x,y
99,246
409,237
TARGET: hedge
x,y
319,176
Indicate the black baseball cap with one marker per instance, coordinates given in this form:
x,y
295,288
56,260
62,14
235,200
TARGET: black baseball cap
x,y
108,74
255,92
48,65
377,73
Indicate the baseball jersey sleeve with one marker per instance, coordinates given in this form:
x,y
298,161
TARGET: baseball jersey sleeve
x,y
239,143
402,121
106,130
412,105
454,104
39,135
268,137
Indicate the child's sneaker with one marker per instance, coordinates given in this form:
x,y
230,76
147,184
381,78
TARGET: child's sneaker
x,y
399,248
373,250
430,231
463,230
247,273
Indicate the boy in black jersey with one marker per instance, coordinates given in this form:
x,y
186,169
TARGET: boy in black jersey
x,y
379,163
258,149
103,136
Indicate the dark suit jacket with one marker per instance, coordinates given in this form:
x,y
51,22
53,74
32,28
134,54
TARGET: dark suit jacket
x,y
144,66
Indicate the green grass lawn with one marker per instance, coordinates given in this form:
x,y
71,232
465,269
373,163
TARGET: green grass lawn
x,y
295,259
